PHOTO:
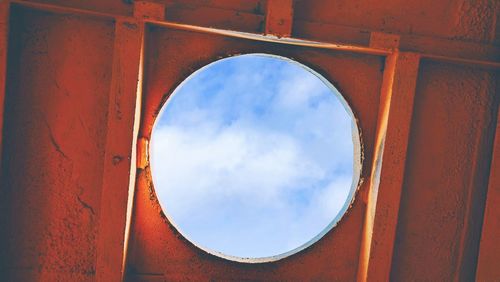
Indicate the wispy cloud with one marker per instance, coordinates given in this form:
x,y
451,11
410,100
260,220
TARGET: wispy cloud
x,y
253,156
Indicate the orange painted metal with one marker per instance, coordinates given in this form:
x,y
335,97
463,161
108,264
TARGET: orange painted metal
x,y
279,17
65,203
472,21
118,160
487,266
469,53
55,124
149,10
386,186
446,174
384,40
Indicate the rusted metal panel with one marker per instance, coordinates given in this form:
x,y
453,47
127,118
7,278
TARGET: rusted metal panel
x,y
468,20
149,10
487,266
61,118
475,54
445,164
384,40
55,117
480,160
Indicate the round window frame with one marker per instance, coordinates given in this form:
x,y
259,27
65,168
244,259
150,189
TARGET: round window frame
x,y
357,164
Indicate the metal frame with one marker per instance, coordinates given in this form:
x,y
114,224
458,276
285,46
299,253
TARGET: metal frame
x,y
398,91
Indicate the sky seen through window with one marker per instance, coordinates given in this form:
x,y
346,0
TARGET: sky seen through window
x,y
252,156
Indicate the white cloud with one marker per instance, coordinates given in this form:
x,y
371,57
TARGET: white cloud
x,y
298,90
234,161
248,181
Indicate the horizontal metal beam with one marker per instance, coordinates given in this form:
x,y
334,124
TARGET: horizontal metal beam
x,y
470,62
274,39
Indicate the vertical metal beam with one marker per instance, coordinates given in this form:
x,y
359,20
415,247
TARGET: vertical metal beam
x,y
279,18
119,160
489,250
395,115
4,44
480,160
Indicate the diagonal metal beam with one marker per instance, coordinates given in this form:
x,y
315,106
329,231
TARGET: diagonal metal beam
x,y
386,185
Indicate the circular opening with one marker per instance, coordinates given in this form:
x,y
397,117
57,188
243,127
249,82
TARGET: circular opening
x,y
255,157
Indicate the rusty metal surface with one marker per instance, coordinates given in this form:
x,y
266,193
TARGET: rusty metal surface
x,y
56,121
279,18
447,173
489,249
54,137
457,19
358,77
386,184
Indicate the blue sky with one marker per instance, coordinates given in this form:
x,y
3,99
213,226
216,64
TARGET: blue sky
x,y
252,156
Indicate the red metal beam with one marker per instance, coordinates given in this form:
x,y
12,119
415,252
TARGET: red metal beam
x,y
119,160
279,17
489,250
419,47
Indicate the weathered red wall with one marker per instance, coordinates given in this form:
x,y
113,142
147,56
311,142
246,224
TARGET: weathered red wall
x,y
60,72
447,173
54,132
457,19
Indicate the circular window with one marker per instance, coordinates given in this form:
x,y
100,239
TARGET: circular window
x,y
255,157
